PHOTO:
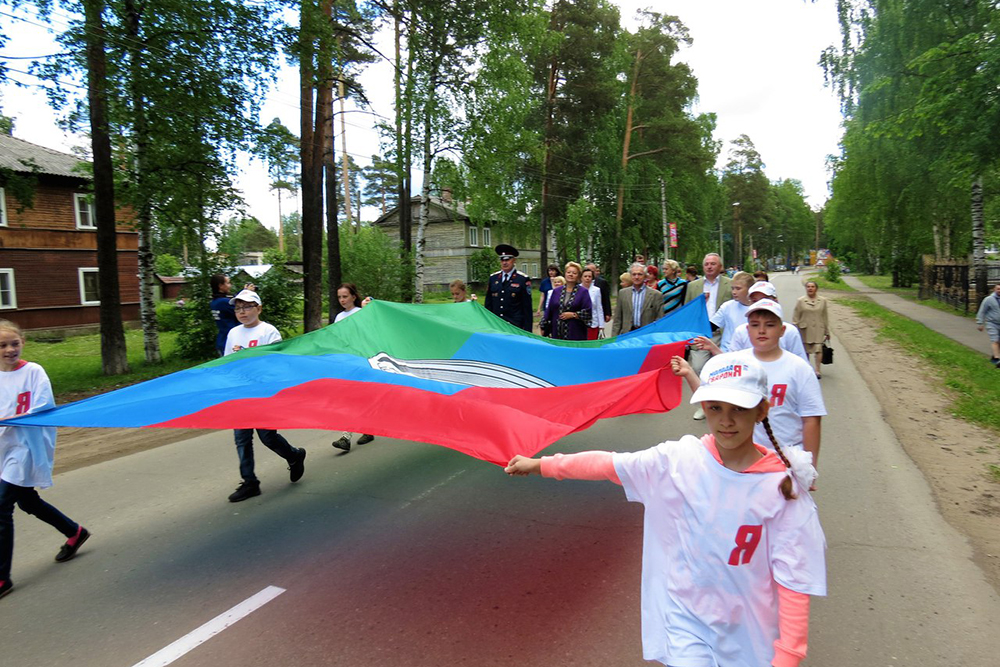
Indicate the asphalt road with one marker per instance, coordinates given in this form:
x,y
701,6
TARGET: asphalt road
x,y
406,554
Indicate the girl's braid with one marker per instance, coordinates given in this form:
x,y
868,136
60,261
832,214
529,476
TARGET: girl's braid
x,y
786,483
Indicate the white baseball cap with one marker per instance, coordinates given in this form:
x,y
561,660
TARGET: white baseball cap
x,y
732,378
246,295
764,287
765,304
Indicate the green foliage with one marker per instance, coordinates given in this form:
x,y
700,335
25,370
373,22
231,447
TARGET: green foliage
x,y
370,260
168,265
242,235
832,271
281,298
169,317
196,337
482,263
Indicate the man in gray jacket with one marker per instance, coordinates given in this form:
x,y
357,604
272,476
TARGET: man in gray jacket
x,y
637,305
988,317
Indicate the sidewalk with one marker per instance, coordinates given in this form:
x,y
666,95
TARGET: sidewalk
x,y
956,327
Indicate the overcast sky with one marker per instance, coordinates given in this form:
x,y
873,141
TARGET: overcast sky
x,y
755,60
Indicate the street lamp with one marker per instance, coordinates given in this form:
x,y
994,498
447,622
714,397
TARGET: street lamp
x,y
737,235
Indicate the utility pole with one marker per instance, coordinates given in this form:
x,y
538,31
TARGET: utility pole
x,y
663,209
344,162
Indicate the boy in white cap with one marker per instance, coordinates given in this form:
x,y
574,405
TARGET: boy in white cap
x,y
791,340
796,399
255,333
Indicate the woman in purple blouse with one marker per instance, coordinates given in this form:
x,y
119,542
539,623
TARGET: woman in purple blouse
x,y
568,313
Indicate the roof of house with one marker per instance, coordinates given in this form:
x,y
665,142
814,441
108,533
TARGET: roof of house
x,y
23,156
455,208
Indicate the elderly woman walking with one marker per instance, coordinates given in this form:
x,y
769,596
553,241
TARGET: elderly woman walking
x,y
988,317
813,321
568,314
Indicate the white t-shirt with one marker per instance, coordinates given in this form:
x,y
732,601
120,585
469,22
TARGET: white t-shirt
x,y
345,314
597,320
26,452
715,541
244,336
791,340
794,394
729,317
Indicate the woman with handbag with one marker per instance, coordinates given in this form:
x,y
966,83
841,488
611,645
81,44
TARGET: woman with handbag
x,y
812,318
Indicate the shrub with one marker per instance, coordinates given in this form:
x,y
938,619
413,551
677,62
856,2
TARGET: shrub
x,y
168,265
370,260
169,317
832,271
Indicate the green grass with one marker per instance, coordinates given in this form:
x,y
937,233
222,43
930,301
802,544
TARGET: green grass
x,y
973,381
823,284
884,283
74,365
994,471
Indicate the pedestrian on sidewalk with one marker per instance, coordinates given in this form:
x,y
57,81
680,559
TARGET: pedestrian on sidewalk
x,y
26,453
255,333
729,525
988,317
813,321
350,300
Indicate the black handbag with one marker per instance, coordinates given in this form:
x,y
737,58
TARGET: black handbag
x,y
827,354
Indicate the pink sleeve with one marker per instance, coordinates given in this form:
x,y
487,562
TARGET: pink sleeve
x,y
793,628
585,465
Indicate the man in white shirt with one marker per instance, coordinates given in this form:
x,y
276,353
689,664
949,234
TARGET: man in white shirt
x,y
714,288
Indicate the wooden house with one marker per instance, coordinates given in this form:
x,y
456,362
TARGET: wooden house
x,y
451,238
48,250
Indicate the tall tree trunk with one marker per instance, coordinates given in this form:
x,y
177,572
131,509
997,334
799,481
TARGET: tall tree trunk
x,y
425,199
345,161
550,100
333,268
114,355
403,154
147,277
978,240
616,241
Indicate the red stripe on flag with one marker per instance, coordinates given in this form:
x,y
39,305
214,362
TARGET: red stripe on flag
x,y
489,424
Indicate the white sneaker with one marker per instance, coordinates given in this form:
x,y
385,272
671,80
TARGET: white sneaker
x,y
699,414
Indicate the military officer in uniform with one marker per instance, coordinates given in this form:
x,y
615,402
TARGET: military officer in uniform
x,y
509,293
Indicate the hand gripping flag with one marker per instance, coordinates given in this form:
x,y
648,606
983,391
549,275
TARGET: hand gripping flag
x,y
449,374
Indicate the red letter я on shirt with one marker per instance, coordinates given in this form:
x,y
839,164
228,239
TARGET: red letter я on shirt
x,y
252,343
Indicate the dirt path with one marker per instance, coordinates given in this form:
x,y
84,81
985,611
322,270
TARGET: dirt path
x,y
952,454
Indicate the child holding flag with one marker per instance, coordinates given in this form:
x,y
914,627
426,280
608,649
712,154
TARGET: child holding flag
x,y
732,545
26,453
255,333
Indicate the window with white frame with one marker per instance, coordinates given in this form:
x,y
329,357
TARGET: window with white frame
x,y
473,235
487,237
534,268
3,208
8,294
84,210
89,293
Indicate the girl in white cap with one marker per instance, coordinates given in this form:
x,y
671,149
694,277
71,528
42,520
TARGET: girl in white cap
x,y
732,545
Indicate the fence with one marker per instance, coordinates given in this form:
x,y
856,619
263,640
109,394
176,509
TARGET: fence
x,y
952,281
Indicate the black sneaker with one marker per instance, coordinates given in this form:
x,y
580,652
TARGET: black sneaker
x,y
296,469
244,491
365,439
6,587
343,443
67,552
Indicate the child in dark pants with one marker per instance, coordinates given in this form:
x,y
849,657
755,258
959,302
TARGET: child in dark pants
x,y
252,332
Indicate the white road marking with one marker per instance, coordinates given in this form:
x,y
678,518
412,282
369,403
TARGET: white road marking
x,y
424,494
193,639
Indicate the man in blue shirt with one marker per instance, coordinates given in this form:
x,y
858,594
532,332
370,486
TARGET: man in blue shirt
x,y
222,311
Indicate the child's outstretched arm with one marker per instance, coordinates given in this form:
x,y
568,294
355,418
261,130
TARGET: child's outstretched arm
x,y
683,369
584,465
703,343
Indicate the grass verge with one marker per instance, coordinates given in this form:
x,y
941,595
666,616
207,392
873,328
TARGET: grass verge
x,y
74,365
972,379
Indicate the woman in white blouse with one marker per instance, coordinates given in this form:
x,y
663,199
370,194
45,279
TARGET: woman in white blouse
x,y
597,321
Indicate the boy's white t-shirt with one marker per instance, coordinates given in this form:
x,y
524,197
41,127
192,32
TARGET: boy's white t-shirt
x,y
346,313
244,336
794,393
791,340
729,317
715,541
26,452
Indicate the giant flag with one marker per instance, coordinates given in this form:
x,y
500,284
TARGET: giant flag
x,y
448,374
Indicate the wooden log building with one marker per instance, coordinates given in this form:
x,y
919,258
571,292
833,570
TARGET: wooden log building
x,y
48,250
